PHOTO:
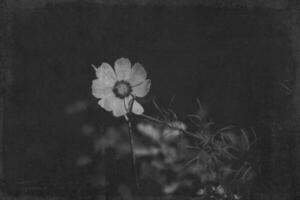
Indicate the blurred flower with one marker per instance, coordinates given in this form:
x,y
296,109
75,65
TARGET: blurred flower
x,y
149,131
76,107
125,191
87,129
201,192
140,151
117,88
157,164
208,176
84,160
220,190
174,129
170,153
109,139
168,189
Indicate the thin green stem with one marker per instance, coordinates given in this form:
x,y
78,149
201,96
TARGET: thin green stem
x,y
133,157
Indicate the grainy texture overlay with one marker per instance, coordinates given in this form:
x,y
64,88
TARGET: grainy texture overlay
x,y
241,58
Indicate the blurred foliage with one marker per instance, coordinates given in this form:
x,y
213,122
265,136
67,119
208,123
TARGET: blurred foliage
x,y
177,157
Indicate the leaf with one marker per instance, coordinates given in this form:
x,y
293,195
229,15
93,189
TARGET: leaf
x,y
194,148
229,154
193,118
246,175
246,139
201,111
254,135
225,128
227,171
159,109
171,102
174,115
241,174
191,161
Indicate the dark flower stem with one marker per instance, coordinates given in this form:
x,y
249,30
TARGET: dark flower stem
x,y
133,157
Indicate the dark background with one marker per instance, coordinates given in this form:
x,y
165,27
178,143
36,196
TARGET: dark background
x,y
233,60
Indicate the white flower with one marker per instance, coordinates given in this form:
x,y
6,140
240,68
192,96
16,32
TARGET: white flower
x,y
117,88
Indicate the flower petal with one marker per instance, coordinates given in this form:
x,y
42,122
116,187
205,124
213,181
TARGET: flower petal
x,y
108,102
106,74
100,89
128,103
138,74
119,108
142,89
137,108
123,68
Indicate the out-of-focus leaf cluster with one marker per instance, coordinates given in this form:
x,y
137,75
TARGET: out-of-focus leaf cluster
x,y
181,156
186,164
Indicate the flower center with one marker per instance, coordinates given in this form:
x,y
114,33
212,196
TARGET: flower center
x,y
122,89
